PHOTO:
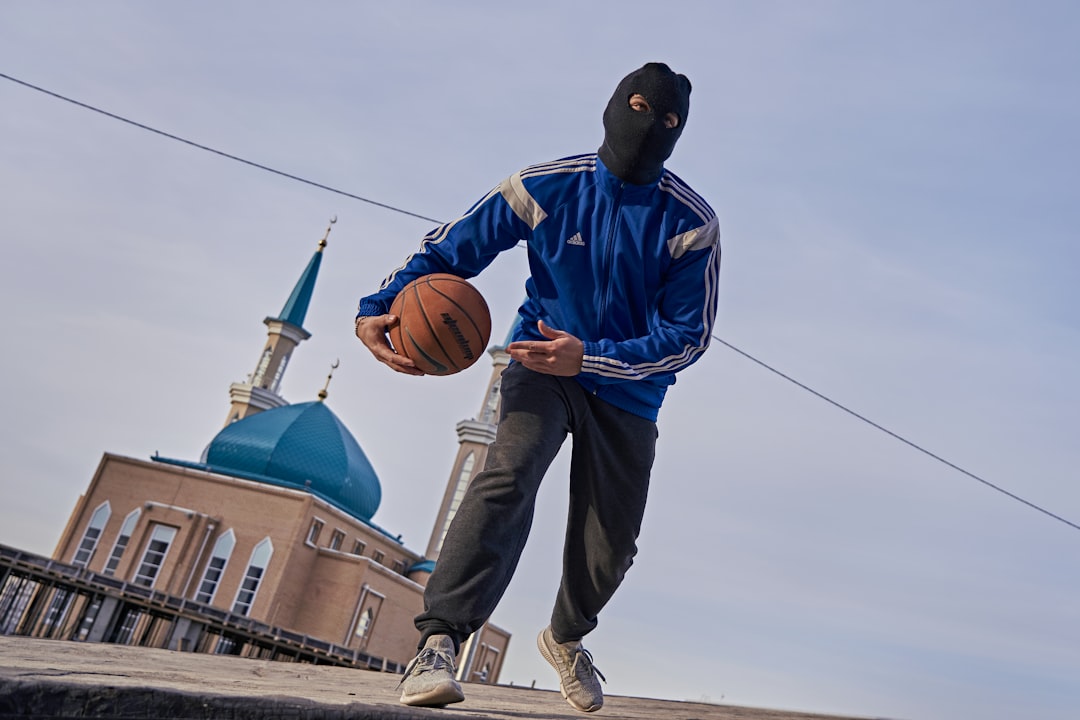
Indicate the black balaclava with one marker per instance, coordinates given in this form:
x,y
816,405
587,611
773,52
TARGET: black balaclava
x,y
636,144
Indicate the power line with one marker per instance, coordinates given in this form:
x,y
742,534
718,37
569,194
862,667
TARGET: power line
x,y
896,436
753,359
192,143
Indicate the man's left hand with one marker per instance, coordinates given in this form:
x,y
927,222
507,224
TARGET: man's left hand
x,y
560,354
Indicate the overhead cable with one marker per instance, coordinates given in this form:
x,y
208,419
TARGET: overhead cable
x,y
200,146
894,435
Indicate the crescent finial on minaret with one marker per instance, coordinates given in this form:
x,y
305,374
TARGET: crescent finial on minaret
x,y
325,392
322,243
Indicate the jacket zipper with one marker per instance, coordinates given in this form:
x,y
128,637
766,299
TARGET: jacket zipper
x,y
609,254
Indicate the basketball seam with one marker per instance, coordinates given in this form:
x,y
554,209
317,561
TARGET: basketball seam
x,y
459,306
427,321
437,365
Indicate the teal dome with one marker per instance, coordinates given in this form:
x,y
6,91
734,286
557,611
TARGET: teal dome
x,y
303,446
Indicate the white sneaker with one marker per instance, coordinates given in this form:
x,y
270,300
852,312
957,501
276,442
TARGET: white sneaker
x,y
428,680
577,675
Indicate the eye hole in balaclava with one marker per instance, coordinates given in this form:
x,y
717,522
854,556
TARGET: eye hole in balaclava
x,y
636,143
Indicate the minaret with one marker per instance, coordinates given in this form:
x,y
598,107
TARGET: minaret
x,y
474,436
285,332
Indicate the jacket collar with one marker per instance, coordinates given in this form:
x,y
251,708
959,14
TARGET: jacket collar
x,y
614,185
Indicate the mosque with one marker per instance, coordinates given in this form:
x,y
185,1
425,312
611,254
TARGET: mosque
x,y
265,546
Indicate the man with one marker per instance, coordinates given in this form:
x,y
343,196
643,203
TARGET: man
x,y
623,260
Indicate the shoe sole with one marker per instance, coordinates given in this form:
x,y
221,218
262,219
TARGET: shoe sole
x,y
549,656
440,696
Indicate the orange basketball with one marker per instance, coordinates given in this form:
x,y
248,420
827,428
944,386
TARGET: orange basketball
x,y
444,324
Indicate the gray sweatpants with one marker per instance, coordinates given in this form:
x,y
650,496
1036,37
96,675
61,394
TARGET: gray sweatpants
x,y
612,458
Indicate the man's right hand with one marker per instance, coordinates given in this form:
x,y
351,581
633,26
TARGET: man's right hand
x,y
372,332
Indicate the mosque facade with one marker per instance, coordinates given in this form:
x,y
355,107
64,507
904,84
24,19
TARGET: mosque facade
x,y
271,532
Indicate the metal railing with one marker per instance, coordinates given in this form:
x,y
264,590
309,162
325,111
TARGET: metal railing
x,y
42,597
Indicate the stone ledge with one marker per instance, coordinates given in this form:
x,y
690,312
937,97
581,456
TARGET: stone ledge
x,y
59,679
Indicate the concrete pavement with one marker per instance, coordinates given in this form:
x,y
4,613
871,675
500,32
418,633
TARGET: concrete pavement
x,y
49,678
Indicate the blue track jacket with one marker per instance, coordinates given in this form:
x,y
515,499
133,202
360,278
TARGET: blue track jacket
x,y
631,270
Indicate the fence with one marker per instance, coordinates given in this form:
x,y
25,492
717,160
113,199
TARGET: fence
x,y
43,598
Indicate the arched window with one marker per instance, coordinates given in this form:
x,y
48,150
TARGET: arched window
x,y
154,557
216,567
491,407
459,492
278,373
92,534
260,371
364,623
260,558
369,605
122,541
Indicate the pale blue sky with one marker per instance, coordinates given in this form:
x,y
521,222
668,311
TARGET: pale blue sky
x,y
897,192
